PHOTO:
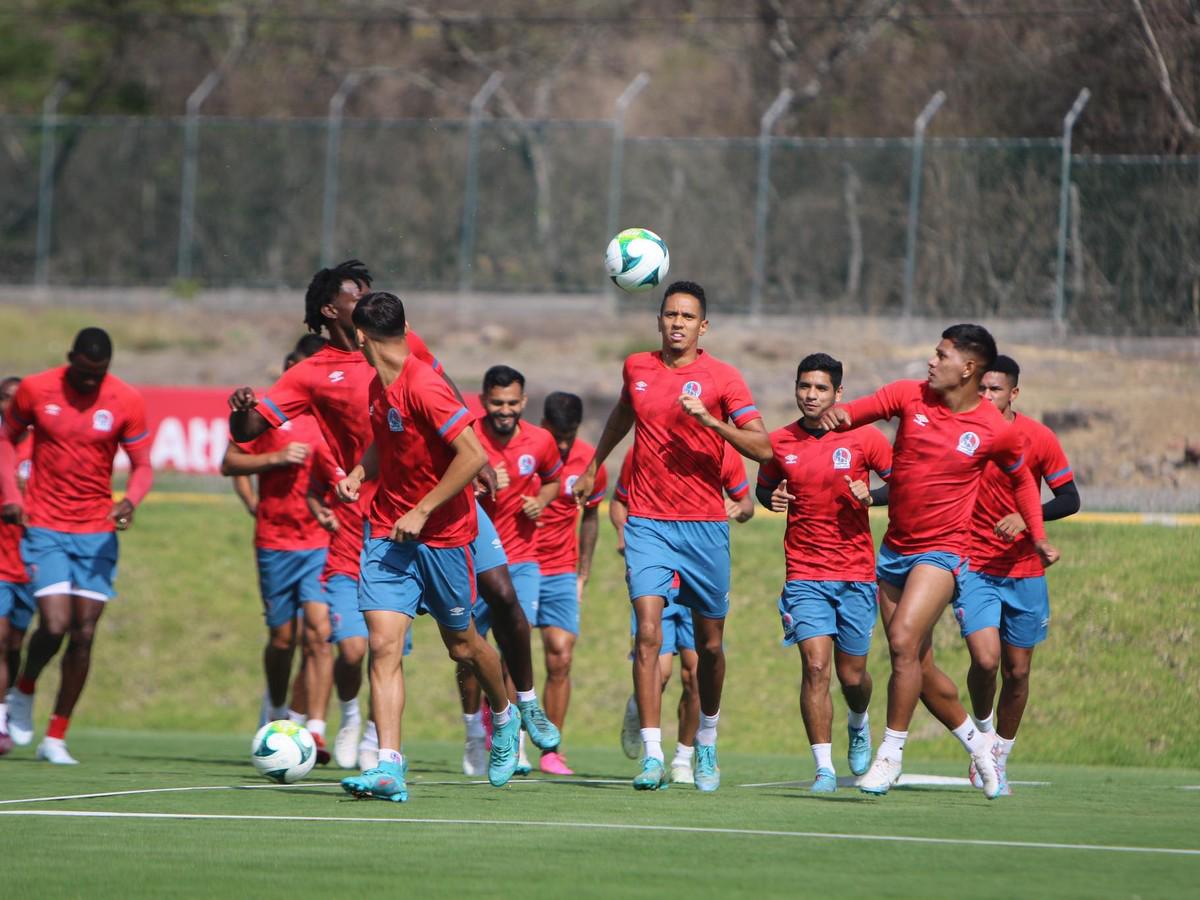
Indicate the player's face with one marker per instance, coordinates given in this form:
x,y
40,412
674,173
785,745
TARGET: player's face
x,y
681,323
815,393
341,310
85,375
7,391
949,367
504,406
564,439
997,387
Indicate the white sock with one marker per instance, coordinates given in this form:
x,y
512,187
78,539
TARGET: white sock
x,y
370,735
892,746
387,755
857,721
707,735
298,717
500,719
526,696
985,725
474,725
683,755
969,735
652,743
823,756
4,717
350,711
316,727
1003,748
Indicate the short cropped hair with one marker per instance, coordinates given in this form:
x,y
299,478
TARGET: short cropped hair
x,y
973,339
502,376
93,344
380,314
309,344
821,362
686,287
562,411
1006,365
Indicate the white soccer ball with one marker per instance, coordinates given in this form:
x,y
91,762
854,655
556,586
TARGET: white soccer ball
x,y
637,260
283,751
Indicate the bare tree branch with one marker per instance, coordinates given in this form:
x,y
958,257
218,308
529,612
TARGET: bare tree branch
x,y
1164,74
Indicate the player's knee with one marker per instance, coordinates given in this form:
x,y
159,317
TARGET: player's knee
x,y
81,638
1017,673
649,637
281,641
709,647
54,624
461,650
816,670
558,663
986,663
905,647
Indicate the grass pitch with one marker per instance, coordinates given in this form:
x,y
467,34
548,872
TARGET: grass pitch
x,y
219,830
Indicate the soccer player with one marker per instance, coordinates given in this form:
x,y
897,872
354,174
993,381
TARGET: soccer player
x,y
425,457
290,542
332,385
79,416
828,605
945,436
685,405
1004,608
564,559
679,637
16,602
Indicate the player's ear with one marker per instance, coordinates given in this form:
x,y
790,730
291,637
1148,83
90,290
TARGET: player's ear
x,y
329,311
703,326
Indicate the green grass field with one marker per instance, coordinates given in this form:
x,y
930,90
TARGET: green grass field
x,y
177,680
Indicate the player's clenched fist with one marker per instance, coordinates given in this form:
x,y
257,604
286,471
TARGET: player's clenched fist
x,y
780,498
408,527
243,399
695,408
860,490
348,488
293,454
1046,551
583,485
834,418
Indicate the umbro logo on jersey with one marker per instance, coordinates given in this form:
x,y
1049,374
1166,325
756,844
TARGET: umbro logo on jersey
x,y
525,464
921,419
841,458
496,545
102,420
336,375
968,443
791,459
640,386
692,389
395,423
52,409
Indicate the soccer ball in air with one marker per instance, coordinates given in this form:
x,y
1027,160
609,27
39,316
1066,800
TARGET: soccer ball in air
x,y
637,260
283,751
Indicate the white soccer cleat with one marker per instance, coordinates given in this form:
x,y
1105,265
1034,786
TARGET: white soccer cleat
x,y
20,717
681,773
985,765
475,757
972,772
345,745
880,777
54,750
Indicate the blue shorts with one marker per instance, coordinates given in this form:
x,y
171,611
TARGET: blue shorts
x,y
410,575
558,602
62,562
678,631
16,605
527,581
843,610
894,567
1018,607
287,579
655,549
345,618
486,549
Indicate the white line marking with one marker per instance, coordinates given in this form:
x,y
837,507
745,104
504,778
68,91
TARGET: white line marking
x,y
611,826
1190,787
904,781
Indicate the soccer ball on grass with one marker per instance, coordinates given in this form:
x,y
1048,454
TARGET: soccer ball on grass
x,y
637,260
283,751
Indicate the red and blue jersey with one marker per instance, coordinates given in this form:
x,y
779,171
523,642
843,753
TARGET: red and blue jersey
x,y
414,421
1047,462
531,458
12,567
828,534
937,461
75,438
733,476
677,462
557,545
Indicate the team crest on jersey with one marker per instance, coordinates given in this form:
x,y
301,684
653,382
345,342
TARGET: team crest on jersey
x,y
692,389
102,420
921,419
569,485
525,464
968,443
52,409
841,458
791,459
640,386
336,375
395,423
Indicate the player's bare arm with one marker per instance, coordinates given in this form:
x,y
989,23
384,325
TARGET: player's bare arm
x,y
238,462
532,506
740,510
589,530
321,511
469,457
618,514
243,486
751,440
620,420
366,470
245,421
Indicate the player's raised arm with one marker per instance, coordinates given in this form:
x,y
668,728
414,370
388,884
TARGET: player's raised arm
x,y
885,403
245,421
469,458
240,462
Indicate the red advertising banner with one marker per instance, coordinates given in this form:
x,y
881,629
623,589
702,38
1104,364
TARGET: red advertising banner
x,y
189,428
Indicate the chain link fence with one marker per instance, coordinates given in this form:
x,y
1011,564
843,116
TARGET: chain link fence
x,y
102,202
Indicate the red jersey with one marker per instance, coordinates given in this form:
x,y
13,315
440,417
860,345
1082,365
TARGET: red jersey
x,y
283,520
557,547
75,438
733,476
414,421
676,471
1047,462
938,459
828,535
531,458
12,567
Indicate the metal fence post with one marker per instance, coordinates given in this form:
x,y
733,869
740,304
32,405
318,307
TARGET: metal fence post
x,y
45,207
618,149
1060,269
466,249
777,108
333,139
187,200
914,196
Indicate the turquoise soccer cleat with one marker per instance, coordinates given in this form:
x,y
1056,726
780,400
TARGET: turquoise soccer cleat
x,y
825,782
541,730
708,773
653,776
859,754
384,782
506,739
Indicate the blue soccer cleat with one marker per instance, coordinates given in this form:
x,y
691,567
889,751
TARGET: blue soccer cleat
x,y
384,782
506,739
653,776
708,774
859,754
541,730
825,782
